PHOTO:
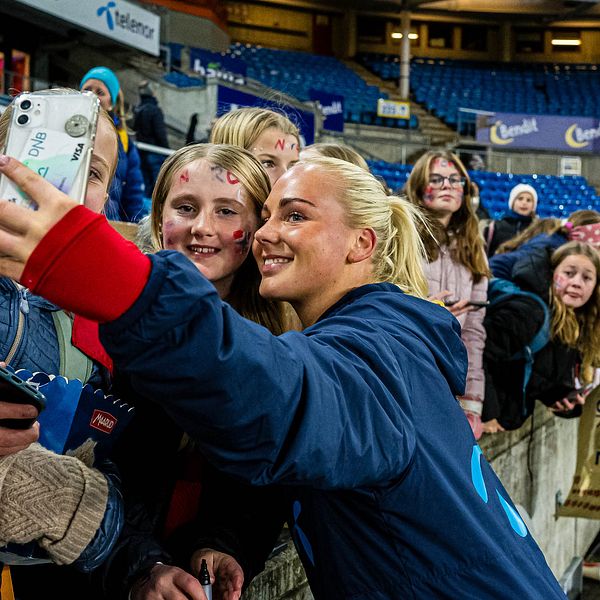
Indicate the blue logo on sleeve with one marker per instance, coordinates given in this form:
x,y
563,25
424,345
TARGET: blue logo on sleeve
x,y
106,10
477,478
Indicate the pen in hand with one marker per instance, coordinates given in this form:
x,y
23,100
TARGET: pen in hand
x,y
204,578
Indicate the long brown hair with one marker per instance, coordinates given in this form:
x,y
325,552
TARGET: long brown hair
x,y
578,328
550,226
462,234
243,295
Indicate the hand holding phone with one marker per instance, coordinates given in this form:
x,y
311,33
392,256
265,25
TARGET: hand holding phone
x,y
52,133
478,303
16,391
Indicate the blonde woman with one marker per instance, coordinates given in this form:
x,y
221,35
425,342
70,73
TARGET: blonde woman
x,y
355,417
456,266
270,136
331,150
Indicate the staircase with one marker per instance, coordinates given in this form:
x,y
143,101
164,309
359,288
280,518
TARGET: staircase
x,y
437,131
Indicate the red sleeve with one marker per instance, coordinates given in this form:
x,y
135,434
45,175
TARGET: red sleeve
x,y
83,265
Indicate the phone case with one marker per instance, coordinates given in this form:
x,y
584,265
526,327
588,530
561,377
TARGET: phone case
x,y
52,133
16,390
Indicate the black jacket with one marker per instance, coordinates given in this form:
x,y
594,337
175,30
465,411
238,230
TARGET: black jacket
x,y
510,326
149,122
505,229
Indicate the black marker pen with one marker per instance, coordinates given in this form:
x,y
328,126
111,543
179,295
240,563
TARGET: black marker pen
x,y
204,579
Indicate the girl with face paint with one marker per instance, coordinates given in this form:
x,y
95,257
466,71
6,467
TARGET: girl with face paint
x,y
567,281
268,135
456,268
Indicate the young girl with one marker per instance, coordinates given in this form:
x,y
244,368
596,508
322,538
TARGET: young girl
x,y
567,280
522,204
206,205
268,135
356,417
126,201
456,266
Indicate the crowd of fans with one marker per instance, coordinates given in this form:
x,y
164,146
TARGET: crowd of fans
x,y
296,384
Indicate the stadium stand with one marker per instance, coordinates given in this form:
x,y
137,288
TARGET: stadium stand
x,y
559,196
443,86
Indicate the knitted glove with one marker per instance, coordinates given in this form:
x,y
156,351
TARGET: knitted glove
x,y
53,499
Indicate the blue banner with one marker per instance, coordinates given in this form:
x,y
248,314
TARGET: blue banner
x,y
332,107
543,132
229,99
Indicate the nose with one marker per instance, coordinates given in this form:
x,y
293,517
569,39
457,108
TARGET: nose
x,y
203,224
446,182
267,234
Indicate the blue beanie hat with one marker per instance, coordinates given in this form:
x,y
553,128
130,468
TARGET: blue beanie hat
x,y
107,77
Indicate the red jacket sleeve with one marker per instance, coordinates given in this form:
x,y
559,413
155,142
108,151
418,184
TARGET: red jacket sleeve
x,y
83,265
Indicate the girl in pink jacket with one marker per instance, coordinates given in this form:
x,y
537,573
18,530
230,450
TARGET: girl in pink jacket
x,y
457,269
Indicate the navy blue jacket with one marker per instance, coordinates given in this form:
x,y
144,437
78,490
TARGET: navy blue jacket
x,y
502,264
389,494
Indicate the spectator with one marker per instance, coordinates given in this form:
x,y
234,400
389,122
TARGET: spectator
x,y
456,268
522,205
267,134
356,418
57,501
149,126
480,210
578,223
567,281
126,199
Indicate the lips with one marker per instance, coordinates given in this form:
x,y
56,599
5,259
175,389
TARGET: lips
x,y
197,250
274,264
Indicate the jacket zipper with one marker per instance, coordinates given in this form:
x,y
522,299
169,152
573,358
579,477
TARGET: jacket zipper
x,y
23,310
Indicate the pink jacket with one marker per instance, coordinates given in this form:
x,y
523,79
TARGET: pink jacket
x,y
446,274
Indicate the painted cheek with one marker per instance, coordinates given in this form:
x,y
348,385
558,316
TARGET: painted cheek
x,y
242,239
560,282
428,196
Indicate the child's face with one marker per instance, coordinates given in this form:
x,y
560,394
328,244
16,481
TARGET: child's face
x,y
575,280
523,204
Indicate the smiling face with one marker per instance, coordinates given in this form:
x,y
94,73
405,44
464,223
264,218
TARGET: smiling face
x,y
575,280
104,158
523,204
207,217
443,195
98,87
303,246
276,151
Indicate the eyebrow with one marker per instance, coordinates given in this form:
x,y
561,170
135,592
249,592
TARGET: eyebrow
x,y
97,158
285,201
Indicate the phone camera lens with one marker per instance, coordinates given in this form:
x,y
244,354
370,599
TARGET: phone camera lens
x,y
26,105
22,119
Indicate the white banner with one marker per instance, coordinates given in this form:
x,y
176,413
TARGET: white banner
x,y
116,19
393,109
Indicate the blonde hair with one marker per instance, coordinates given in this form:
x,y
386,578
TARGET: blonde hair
x,y
578,328
243,295
340,151
399,252
462,234
243,126
6,117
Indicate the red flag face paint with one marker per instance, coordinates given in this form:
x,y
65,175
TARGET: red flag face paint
x,y
207,217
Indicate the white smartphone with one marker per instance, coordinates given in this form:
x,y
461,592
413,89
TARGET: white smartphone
x,y
52,132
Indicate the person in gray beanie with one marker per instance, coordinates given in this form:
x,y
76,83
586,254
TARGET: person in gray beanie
x,y
522,206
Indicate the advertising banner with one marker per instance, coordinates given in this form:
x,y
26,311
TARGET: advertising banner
x,y
230,99
213,64
543,132
123,21
393,109
332,107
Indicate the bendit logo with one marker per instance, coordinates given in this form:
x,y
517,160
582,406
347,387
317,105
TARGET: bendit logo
x,y
103,421
110,22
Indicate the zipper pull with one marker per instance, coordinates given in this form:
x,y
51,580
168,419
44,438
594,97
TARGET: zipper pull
x,y
24,303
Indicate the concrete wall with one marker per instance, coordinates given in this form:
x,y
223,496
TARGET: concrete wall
x,y
552,447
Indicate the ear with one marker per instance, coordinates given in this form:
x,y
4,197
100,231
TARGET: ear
x,y
363,246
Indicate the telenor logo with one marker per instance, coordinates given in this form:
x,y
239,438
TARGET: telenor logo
x,y
109,18
103,421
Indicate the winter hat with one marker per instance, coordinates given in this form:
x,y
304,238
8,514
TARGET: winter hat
x,y
107,77
522,187
52,499
586,233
